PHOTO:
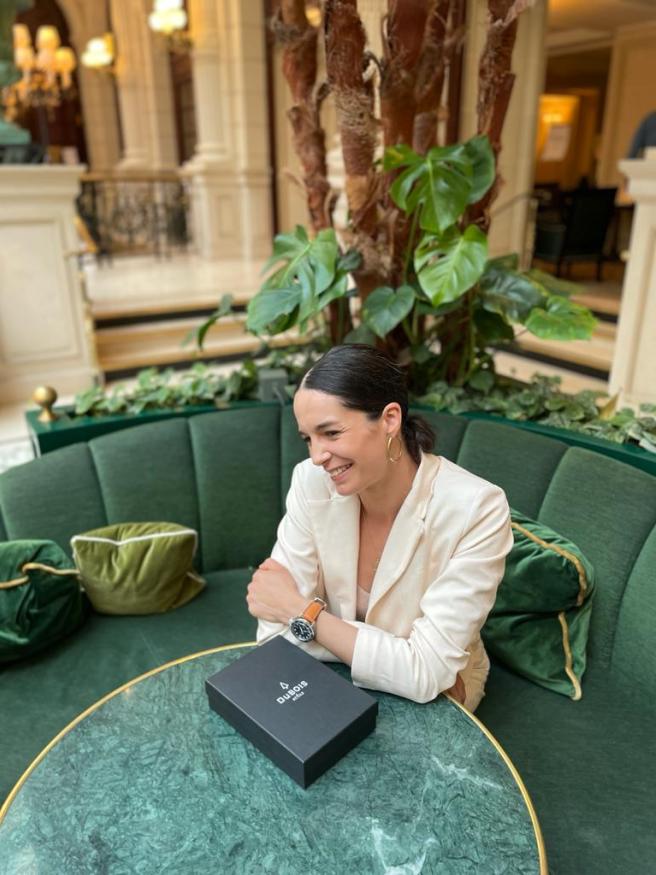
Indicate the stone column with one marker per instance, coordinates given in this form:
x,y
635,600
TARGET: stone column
x,y
42,325
143,78
633,373
97,92
508,232
229,173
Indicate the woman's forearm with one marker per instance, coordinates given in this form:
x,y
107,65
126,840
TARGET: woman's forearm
x,y
337,636
334,634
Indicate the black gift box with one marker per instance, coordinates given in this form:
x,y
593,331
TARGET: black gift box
x,y
298,712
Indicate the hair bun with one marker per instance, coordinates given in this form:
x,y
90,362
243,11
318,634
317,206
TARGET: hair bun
x,y
418,434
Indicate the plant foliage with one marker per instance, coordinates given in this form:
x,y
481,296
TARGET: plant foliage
x,y
540,401
453,303
168,390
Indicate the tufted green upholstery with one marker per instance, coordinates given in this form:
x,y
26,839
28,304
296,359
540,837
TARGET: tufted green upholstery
x,y
608,509
54,497
227,473
238,482
522,464
131,474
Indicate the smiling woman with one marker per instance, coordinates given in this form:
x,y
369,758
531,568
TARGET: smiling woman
x,y
389,557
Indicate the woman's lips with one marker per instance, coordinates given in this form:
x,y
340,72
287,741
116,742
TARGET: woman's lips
x,y
336,474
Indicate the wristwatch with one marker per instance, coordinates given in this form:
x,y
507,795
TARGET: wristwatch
x,y
303,627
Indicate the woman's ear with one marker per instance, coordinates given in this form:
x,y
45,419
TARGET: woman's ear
x,y
392,417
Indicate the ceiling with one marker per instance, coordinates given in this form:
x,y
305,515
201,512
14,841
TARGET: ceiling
x,y
580,22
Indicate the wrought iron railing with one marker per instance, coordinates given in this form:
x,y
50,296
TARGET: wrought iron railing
x,y
135,214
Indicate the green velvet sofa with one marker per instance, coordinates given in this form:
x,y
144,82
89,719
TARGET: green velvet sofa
x,y
589,766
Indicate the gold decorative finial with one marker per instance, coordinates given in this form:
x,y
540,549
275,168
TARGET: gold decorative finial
x,y
45,397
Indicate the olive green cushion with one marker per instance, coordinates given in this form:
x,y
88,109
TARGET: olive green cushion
x,y
540,621
40,597
138,568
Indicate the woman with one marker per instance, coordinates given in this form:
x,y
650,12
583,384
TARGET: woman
x,y
388,558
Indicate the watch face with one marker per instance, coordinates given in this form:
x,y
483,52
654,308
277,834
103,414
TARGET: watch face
x,y
301,629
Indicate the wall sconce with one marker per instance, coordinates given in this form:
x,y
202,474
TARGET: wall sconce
x,y
170,19
99,53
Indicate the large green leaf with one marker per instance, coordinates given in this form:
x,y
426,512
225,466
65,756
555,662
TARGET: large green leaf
x,y
491,327
337,290
483,166
510,293
269,305
448,266
386,307
560,319
553,284
439,184
442,183
311,262
400,155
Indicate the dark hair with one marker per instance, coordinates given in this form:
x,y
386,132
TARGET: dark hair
x,y
365,378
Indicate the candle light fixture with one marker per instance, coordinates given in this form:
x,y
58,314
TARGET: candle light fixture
x,y
46,72
99,53
169,18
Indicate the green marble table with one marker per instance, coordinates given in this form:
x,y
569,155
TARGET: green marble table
x,y
150,780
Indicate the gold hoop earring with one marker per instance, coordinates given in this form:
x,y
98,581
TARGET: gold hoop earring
x,y
390,457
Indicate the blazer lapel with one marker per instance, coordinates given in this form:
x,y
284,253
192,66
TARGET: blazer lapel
x,y
406,532
336,526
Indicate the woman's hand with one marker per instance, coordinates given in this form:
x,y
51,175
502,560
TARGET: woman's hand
x,y
272,594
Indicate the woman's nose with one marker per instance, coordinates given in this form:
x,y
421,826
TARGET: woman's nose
x,y
319,455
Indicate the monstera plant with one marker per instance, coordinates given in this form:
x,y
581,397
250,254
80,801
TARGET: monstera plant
x,y
411,272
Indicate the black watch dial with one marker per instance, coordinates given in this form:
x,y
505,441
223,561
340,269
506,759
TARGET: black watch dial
x,y
301,629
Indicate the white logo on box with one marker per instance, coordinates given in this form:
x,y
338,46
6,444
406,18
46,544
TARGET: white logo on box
x,y
293,693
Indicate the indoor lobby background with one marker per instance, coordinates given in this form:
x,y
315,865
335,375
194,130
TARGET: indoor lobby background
x,y
146,165
175,152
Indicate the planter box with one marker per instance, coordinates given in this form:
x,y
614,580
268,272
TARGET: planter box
x,y
630,454
69,429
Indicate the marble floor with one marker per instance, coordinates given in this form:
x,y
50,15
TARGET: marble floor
x,y
146,284
15,446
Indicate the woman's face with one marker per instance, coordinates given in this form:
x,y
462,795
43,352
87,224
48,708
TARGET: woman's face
x,y
351,448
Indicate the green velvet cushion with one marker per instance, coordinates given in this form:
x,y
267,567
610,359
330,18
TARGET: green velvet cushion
x,y
539,624
138,568
40,597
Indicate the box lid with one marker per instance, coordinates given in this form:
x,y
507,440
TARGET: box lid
x,y
295,698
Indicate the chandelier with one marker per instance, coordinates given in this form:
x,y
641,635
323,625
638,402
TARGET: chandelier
x,y
46,73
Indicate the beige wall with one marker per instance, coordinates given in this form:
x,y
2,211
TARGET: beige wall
x,y
631,95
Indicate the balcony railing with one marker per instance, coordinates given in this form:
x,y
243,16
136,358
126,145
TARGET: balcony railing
x,y
135,215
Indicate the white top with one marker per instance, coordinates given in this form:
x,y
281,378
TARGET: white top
x,y
434,586
361,603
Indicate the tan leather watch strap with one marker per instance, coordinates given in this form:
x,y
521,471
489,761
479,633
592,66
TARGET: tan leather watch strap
x,y
313,610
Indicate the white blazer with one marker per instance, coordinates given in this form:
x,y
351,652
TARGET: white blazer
x,y
435,584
